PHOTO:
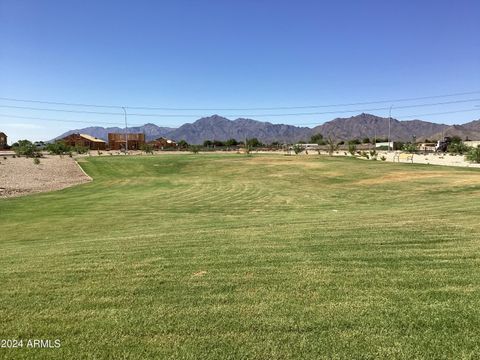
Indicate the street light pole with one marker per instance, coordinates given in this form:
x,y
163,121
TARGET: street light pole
x,y
126,130
389,126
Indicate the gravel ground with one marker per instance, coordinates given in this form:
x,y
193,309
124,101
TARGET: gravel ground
x,y
430,159
20,176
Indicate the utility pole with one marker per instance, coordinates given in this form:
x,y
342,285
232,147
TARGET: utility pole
x,y
126,130
389,121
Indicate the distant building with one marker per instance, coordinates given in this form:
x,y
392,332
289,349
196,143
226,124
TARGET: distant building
x,y
3,141
384,144
472,143
84,140
163,143
116,141
427,146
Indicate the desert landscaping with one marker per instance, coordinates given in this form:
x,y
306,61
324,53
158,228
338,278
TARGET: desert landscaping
x,y
21,176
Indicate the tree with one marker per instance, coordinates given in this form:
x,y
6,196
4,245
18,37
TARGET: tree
x,y
332,145
207,143
231,142
398,145
352,148
182,144
366,140
455,140
474,155
317,139
253,143
26,148
218,143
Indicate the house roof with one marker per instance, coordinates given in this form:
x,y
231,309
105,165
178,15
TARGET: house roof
x,y
167,140
91,138
2,133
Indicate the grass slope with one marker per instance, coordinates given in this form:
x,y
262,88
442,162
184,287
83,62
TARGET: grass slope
x,y
261,257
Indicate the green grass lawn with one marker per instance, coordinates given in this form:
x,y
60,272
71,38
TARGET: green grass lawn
x,y
261,257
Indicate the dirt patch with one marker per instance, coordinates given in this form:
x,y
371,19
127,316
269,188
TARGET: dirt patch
x,y
20,176
402,176
454,179
199,273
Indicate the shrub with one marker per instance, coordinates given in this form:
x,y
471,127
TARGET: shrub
x,y
365,155
297,149
36,161
26,148
383,158
458,148
147,148
59,148
352,148
474,155
410,147
81,149
194,149
253,143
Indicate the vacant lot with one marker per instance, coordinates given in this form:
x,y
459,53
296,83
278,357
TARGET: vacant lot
x,y
262,257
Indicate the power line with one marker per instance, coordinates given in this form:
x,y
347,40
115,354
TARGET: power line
x,y
438,113
64,120
311,106
59,110
243,115
400,118
240,109
137,124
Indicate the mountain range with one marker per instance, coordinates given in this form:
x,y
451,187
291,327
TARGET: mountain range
x,y
216,127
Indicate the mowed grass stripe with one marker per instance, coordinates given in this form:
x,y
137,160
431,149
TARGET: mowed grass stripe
x,y
208,256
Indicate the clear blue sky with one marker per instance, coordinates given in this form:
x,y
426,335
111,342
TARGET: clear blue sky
x,y
221,54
